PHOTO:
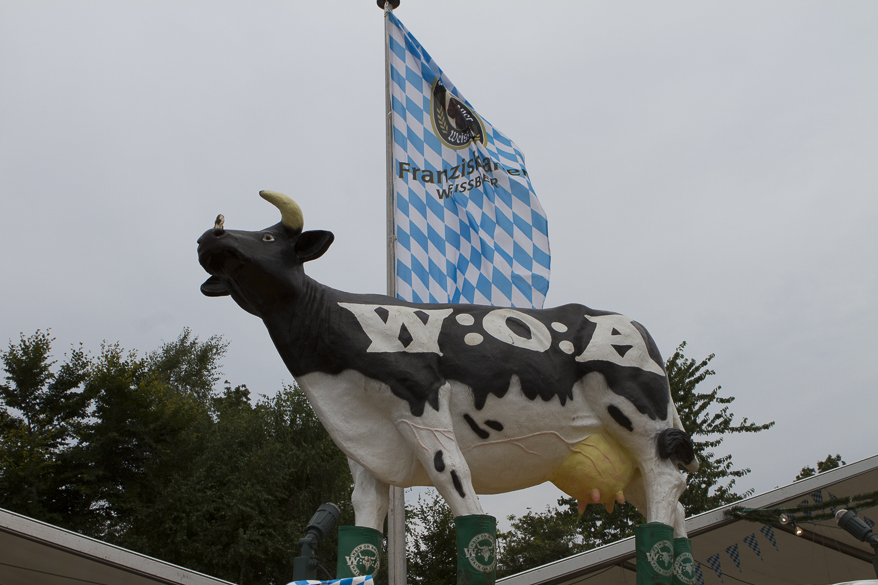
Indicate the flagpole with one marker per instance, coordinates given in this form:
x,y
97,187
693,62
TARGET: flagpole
x,y
396,513
391,198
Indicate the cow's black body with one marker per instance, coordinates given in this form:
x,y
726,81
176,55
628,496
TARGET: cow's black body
x,y
339,343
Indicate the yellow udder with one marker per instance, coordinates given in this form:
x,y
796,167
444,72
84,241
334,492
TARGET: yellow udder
x,y
597,471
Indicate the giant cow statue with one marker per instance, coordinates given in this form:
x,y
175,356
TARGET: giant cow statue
x,y
470,399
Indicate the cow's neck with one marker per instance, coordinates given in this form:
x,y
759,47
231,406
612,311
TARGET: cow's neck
x,y
301,328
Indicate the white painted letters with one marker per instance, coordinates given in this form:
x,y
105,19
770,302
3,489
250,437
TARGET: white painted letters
x,y
495,324
385,336
615,339
618,331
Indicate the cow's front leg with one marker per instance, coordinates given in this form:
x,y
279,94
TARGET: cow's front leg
x,y
370,498
359,547
431,436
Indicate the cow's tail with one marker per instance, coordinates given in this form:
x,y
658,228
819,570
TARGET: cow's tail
x,y
675,444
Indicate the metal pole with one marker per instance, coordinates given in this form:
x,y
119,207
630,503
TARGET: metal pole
x,y
396,514
396,537
391,194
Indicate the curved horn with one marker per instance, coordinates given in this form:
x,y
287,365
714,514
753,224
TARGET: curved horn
x,y
290,212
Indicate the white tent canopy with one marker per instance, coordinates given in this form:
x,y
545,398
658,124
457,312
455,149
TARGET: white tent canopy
x,y
36,553
730,551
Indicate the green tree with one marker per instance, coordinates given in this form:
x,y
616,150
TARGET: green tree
x,y
244,504
831,462
539,538
431,549
708,420
188,365
145,428
42,408
145,452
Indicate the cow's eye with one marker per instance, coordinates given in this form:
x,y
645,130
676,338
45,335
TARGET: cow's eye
x,y
268,238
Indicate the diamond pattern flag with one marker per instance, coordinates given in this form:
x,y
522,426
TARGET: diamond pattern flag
x,y
715,564
831,497
699,576
469,227
754,545
367,580
732,551
768,531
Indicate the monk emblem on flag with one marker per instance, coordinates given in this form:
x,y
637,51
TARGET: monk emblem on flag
x,y
454,122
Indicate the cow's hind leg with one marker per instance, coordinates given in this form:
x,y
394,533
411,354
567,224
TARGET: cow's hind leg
x,y
635,494
661,483
432,438
664,485
370,498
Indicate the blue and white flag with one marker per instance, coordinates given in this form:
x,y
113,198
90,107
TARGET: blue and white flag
x,y
469,227
367,580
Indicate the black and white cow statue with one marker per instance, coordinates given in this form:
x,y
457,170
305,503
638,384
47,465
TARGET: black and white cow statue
x,y
470,399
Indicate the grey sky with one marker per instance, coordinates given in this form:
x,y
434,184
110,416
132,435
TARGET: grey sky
x,y
708,169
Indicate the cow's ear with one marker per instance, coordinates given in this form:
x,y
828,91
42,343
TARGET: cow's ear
x,y
214,287
311,245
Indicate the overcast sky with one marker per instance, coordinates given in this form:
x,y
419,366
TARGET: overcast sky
x,y
708,169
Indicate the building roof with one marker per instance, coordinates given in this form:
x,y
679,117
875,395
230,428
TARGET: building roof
x,y
730,551
36,553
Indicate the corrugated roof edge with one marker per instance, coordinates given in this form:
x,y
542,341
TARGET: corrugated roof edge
x,y
101,552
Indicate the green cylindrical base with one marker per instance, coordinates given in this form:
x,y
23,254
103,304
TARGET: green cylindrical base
x,y
359,551
653,543
476,549
684,562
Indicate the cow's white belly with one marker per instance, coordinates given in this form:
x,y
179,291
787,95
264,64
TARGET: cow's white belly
x,y
511,443
536,436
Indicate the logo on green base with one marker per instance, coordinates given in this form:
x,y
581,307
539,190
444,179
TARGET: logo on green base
x,y
481,548
684,568
661,558
364,560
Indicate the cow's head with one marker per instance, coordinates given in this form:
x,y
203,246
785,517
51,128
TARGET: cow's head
x,y
261,270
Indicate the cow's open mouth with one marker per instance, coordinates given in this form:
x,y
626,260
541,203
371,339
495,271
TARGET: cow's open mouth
x,y
218,262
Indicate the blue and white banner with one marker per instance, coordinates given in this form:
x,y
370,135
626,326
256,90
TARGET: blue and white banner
x,y
367,580
469,227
